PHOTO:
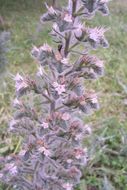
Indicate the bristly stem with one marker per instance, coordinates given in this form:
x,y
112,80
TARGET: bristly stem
x,y
74,5
52,106
43,94
54,3
69,34
67,43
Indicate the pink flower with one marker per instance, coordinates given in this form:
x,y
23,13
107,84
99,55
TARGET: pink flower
x,y
79,29
65,116
18,78
99,63
94,98
88,129
13,123
55,26
35,52
68,186
45,125
78,137
40,72
13,170
17,103
64,61
68,18
1,175
45,151
55,84
96,33
69,161
50,9
79,153
46,47
59,88
21,83
22,152
79,26
91,97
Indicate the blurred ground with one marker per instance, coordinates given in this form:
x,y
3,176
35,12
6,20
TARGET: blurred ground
x,y
110,124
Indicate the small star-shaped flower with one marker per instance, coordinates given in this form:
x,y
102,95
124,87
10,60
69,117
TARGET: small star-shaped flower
x,y
68,186
45,151
66,116
45,125
59,88
68,18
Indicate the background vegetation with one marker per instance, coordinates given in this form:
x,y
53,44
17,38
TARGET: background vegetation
x,y
107,170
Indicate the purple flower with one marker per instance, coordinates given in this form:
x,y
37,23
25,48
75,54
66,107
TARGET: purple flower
x,y
17,103
64,61
88,129
21,84
46,48
68,186
93,98
1,175
35,52
45,125
50,9
59,88
22,153
78,137
68,18
79,153
96,34
55,27
66,116
44,150
12,124
40,72
13,170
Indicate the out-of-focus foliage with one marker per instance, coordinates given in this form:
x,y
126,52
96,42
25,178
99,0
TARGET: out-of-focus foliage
x,y
4,38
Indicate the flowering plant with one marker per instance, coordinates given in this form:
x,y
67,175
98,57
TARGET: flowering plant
x,y
49,107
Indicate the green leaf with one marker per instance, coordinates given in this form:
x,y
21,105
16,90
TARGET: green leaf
x,y
4,149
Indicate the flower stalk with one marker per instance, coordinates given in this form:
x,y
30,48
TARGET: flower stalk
x,y
49,108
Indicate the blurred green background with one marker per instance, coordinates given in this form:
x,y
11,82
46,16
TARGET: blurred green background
x,y
107,169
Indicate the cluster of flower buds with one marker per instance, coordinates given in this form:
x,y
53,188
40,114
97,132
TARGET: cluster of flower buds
x,y
48,107
96,5
89,67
